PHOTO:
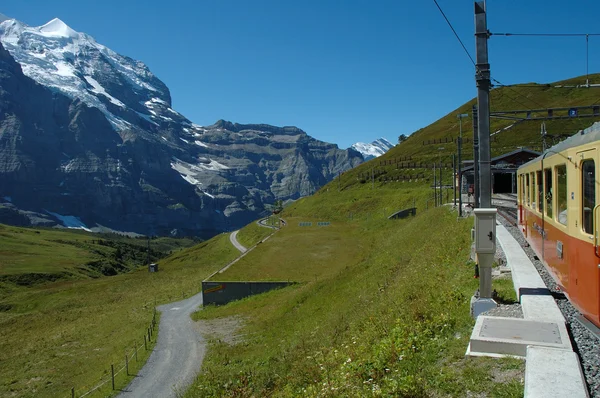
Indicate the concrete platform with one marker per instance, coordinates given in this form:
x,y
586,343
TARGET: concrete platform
x,y
526,279
541,308
511,336
552,368
553,373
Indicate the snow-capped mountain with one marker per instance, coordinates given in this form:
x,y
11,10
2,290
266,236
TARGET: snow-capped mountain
x,y
374,149
88,134
73,63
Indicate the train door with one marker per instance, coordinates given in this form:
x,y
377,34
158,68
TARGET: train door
x,y
585,272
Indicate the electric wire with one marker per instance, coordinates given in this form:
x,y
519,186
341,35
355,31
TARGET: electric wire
x,y
519,94
546,34
455,34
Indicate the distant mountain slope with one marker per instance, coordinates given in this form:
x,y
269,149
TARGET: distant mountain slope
x,y
87,134
374,149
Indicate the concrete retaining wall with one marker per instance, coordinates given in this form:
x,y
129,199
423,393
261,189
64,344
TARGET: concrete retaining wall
x,y
224,292
404,213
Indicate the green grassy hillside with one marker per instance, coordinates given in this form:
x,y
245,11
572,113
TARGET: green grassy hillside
x,y
63,322
528,96
382,310
30,256
382,307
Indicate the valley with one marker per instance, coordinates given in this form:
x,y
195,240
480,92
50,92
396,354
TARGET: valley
x,y
100,176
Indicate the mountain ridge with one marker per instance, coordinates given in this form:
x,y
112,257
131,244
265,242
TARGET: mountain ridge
x,y
374,149
117,156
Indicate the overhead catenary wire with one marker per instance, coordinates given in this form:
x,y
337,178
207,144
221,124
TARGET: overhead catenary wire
x,y
519,94
545,34
586,35
455,34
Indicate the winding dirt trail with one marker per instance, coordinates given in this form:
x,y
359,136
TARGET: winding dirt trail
x,y
234,242
177,356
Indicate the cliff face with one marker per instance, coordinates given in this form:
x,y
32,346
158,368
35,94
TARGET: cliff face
x,y
107,149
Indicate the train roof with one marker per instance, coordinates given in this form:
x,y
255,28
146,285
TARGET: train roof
x,y
585,136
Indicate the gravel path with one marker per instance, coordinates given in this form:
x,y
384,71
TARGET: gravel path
x,y
263,223
234,242
177,356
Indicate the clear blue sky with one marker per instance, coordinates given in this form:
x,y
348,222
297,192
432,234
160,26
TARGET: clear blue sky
x,y
343,71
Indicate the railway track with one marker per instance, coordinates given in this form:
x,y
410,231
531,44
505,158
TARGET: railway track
x,y
507,207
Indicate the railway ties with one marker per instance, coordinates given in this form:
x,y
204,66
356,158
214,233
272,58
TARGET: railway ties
x,y
507,207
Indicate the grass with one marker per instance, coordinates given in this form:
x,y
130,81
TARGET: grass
x,y
67,333
382,310
30,256
298,253
252,233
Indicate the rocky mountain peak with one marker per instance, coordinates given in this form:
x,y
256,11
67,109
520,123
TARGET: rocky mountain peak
x,y
73,63
374,149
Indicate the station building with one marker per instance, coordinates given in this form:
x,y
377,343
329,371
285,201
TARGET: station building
x,y
504,170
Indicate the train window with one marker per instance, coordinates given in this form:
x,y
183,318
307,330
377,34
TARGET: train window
x,y
588,182
540,191
561,194
548,191
532,190
527,189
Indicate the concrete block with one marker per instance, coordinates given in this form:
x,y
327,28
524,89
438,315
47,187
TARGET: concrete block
x,y
497,336
480,305
541,308
553,373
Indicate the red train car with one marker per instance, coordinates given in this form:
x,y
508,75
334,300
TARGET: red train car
x,y
559,214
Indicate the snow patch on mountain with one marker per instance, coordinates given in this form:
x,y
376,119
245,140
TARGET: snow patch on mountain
x,y
374,149
70,221
98,89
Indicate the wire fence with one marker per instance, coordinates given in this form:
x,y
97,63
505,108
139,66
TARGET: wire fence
x,y
129,357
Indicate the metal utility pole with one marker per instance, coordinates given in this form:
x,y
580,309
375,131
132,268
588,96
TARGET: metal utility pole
x,y
441,185
460,162
482,78
441,166
587,60
435,185
475,157
485,216
544,133
454,178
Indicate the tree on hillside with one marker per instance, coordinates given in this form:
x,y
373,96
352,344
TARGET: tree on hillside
x,y
402,138
278,206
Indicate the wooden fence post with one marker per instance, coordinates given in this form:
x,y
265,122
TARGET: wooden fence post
x,y
72,392
112,373
145,346
126,365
